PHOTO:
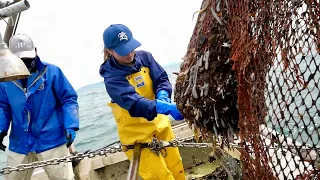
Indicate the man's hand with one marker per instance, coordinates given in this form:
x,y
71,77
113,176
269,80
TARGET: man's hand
x,y
70,136
2,135
163,95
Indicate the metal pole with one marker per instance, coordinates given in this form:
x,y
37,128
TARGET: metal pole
x,y
134,164
14,8
9,29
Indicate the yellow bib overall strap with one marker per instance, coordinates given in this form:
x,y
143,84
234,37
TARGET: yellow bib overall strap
x,y
138,129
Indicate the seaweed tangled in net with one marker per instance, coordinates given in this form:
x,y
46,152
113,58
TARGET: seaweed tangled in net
x,y
206,87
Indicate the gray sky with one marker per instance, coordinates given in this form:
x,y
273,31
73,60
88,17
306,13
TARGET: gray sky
x,y
69,33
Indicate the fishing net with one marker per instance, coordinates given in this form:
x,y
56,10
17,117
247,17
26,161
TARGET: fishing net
x,y
252,71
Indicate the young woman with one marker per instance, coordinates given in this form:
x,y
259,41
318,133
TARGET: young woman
x,y
140,91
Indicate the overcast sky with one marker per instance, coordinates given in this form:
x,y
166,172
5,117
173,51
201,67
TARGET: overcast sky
x,y
69,33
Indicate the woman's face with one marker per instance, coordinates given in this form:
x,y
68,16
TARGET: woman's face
x,y
124,60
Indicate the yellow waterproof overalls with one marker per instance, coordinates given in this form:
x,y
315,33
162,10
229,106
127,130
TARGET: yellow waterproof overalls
x,y
132,129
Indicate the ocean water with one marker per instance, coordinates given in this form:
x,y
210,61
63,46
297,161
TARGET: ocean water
x,y
97,125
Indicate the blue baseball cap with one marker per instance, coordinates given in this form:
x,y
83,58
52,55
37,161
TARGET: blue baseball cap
x,y
118,37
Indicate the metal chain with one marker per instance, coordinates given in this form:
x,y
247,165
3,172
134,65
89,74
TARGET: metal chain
x,y
55,161
79,156
156,148
182,143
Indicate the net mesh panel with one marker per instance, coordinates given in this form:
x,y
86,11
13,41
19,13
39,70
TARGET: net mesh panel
x,y
275,48
292,92
275,45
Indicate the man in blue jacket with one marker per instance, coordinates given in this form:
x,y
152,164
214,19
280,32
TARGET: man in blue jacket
x,y
141,100
42,111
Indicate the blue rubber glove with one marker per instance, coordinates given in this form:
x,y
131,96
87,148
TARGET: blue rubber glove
x,y
70,136
166,108
163,95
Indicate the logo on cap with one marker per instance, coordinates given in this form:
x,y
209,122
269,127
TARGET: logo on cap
x,y
123,36
21,45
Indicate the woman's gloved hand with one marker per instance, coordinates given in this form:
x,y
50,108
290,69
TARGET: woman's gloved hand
x,y
70,136
163,95
166,108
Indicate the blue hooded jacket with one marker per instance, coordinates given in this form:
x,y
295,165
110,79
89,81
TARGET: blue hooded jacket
x,y
124,94
40,113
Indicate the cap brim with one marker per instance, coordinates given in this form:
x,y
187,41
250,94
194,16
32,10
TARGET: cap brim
x,y
126,48
26,54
